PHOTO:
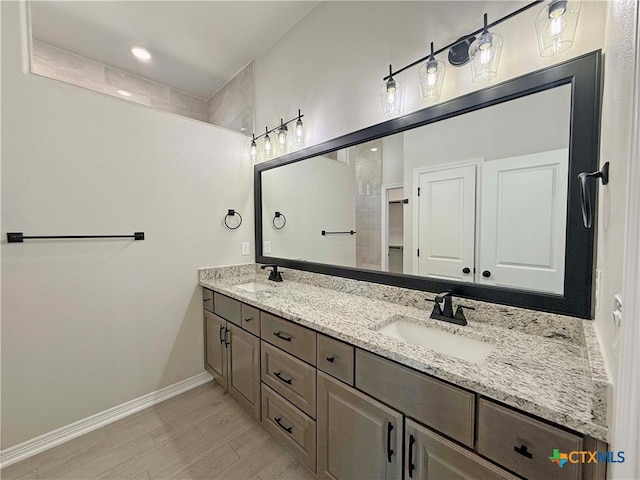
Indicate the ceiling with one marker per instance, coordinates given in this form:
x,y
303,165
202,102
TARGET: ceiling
x,y
197,46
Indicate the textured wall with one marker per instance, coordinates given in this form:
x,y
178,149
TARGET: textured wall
x,y
58,64
232,106
88,325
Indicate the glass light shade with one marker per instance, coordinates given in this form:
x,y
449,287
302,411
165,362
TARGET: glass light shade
x,y
298,134
254,150
484,55
391,98
267,147
282,136
556,26
431,80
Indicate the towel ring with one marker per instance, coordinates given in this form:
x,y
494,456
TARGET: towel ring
x,y
284,221
232,213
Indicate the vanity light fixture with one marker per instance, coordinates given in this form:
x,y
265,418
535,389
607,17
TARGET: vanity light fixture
x,y
254,148
484,55
282,135
141,53
431,78
391,95
281,138
267,144
556,26
298,140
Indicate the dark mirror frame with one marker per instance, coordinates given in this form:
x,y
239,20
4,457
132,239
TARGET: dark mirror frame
x,y
584,74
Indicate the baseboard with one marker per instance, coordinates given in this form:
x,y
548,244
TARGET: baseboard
x,y
49,440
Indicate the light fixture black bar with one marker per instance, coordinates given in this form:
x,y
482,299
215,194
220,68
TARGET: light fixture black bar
x,y
276,128
18,237
350,232
460,40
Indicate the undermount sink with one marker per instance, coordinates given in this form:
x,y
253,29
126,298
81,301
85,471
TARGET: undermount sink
x,y
254,287
459,346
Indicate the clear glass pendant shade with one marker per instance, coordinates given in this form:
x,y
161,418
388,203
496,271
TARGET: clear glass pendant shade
x,y
484,55
431,80
556,26
391,98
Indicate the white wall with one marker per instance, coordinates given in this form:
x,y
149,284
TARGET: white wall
x,y
314,195
331,64
615,138
88,325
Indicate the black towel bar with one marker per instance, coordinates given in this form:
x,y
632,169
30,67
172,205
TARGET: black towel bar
x,y
350,232
19,237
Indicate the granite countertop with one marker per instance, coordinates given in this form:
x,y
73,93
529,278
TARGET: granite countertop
x,y
555,376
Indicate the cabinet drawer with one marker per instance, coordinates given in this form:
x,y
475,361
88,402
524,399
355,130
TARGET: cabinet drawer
x,y
207,299
335,358
436,404
296,340
250,319
227,308
523,444
290,426
290,377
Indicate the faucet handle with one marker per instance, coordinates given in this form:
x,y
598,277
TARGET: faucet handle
x,y
460,313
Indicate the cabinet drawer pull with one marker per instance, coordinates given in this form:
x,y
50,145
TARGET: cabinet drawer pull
x,y
389,450
286,429
282,379
248,319
331,359
412,440
226,337
522,450
285,337
221,336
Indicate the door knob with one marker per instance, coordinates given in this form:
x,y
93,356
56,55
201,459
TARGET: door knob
x,y
486,274
466,270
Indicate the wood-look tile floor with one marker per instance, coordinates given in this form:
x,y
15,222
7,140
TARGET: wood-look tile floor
x,y
200,434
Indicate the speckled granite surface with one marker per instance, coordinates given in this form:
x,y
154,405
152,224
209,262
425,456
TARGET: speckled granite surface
x,y
547,365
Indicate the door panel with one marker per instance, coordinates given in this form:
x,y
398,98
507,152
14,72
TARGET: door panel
x,y
244,369
446,223
524,209
216,362
429,456
353,434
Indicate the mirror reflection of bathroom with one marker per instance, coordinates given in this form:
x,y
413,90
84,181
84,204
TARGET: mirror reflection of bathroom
x,y
393,234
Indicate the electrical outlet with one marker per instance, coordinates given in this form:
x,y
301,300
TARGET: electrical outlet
x,y
267,247
245,248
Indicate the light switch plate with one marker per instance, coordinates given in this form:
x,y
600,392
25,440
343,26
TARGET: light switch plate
x,y
245,248
267,247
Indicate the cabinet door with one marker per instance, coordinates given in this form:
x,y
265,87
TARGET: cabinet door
x,y
216,355
358,437
446,223
429,456
244,369
524,211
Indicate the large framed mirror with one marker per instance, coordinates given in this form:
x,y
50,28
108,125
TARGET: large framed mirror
x,y
478,196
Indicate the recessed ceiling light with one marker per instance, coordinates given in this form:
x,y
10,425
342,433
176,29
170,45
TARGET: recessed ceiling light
x,y
374,149
141,53
124,93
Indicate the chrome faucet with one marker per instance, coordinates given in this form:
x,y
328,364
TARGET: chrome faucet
x,y
443,309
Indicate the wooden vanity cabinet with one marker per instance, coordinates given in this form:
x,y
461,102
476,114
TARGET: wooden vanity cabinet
x,y
358,437
233,355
